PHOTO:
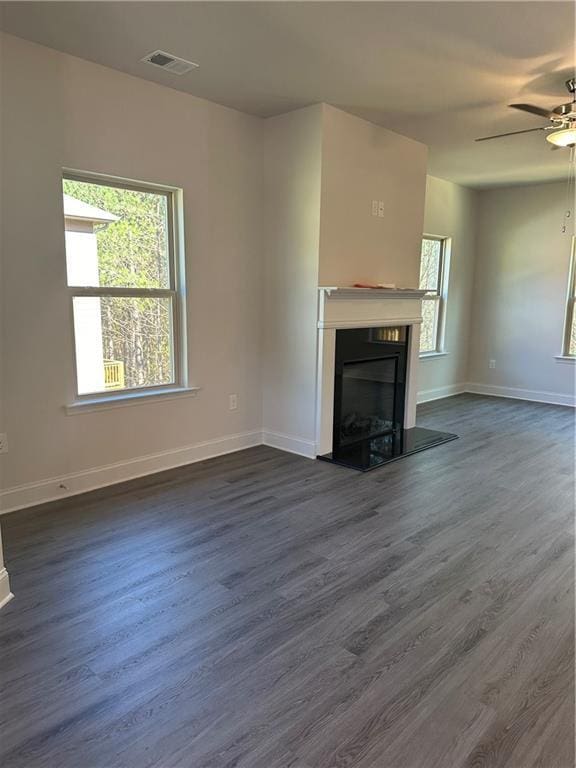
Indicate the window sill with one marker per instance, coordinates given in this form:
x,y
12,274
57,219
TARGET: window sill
x,y
432,355
130,398
565,359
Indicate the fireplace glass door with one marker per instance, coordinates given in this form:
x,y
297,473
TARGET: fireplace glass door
x,y
367,400
369,393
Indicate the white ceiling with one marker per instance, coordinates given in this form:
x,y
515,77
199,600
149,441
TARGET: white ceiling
x,y
439,72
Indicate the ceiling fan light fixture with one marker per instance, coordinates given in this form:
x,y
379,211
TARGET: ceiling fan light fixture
x,y
565,137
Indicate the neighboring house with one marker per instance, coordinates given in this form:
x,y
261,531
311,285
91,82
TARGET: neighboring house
x,y
82,222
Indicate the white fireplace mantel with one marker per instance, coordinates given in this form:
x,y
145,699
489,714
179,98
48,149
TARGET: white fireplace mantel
x,y
362,308
346,292
368,307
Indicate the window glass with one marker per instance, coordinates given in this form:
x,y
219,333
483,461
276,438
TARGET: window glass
x,y
120,275
116,237
430,265
432,268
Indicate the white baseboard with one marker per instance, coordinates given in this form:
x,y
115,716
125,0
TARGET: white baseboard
x,y
427,395
290,444
30,494
475,388
5,594
534,395
52,489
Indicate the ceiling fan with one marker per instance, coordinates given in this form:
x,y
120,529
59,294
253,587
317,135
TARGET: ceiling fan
x,y
562,118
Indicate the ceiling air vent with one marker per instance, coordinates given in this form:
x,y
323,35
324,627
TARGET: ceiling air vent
x,y
169,62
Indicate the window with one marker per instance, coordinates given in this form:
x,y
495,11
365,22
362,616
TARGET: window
x,y
434,280
570,325
123,281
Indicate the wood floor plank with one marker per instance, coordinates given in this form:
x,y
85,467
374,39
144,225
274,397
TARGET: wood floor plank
x,y
261,610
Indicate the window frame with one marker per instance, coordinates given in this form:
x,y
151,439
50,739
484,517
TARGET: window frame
x,y
176,292
440,295
570,308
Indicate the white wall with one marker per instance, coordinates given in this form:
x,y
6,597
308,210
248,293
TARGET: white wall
x,y
293,155
59,111
520,290
507,290
323,169
450,211
362,162
5,593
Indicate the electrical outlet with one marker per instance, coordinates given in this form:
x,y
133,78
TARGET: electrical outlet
x,y
232,402
381,209
491,363
3,442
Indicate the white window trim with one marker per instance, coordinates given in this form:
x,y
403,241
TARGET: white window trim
x,y
433,355
98,400
130,397
441,297
570,306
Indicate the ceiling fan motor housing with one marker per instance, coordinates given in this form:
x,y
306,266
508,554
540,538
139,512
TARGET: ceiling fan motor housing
x,y
566,110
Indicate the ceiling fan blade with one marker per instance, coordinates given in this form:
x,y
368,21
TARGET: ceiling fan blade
x,y
540,111
511,133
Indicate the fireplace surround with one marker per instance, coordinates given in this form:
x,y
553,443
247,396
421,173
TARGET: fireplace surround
x,y
368,342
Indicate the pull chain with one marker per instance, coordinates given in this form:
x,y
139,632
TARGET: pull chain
x,y
570,189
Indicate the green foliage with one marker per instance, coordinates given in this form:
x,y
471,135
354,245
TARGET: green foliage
x,y
133,253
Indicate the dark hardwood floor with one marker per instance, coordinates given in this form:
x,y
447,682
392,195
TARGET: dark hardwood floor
x,y
262,610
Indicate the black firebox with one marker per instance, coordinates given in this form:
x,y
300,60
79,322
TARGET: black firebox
x,y
369,400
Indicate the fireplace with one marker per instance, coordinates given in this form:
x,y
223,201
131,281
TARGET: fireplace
x,y
370,395
369,385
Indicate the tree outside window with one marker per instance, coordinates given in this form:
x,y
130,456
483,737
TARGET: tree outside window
x,y
122,277
433,280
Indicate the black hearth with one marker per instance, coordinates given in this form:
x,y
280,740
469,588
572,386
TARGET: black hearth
x,y
369,397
